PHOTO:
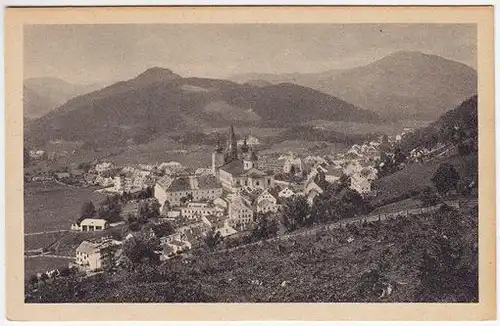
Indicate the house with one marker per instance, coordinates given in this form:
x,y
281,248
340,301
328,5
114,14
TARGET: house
x,y
361,184
146,167
203,171
332,173
249,140
173,248
102,167
173,189
267,201
104,181
240,212
293,164
352,167
172,168
93,224
221,203
62,175
315,186
286,193
202,209
90,255
36,154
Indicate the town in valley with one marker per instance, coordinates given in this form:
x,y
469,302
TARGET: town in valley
x,y
258,188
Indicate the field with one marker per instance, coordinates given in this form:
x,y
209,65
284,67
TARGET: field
x,y
390,129
42,264
50,206
303,148
416,176
38,241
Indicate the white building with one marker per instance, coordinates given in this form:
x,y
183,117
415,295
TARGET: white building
x,y
240,213
90,224
174,189
102,167
361,184
89,255
286,193
197,209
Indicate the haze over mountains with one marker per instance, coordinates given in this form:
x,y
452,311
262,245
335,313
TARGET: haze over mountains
x,y
159,101
44,94
405,84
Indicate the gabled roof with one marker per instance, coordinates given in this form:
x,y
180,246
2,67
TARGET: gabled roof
x,y
208,182
235,167
272,191
253,172
334,171
93,222
86,247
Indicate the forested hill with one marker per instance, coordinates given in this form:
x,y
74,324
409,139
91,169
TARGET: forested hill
x,y
459,125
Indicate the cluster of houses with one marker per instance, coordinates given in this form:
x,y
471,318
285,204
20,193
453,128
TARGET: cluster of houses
x,y
228,196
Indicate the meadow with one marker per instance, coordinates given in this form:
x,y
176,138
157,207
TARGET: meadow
x,y
35,265
50,206
417,176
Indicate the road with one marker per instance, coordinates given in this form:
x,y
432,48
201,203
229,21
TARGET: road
x,y
45,232
50,256
360,219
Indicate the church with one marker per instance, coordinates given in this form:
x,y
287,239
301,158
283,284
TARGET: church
x,y
237,168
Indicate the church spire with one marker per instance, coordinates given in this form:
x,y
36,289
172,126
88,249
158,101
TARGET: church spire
x,y
233,147
218,147
244,148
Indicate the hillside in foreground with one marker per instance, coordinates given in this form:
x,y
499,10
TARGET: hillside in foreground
x,y
425,258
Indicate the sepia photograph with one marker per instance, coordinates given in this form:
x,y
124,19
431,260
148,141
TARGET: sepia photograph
x,y
252,162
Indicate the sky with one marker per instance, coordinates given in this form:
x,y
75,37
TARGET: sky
x,y
87,54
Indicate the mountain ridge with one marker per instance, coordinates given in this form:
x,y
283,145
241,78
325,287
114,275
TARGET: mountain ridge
x,y
401,85
159,101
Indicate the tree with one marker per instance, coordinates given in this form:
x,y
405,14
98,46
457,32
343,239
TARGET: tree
x,y
139,252
295,213
108,258
213,238
266,227
33,280
428,197
163,229
87,210
445,178
399,157
44,277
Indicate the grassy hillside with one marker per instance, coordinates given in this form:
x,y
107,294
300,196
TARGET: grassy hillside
x,y
416,176
429,258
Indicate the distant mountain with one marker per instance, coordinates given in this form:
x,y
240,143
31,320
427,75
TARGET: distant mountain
x,y
258,83
159,101
42,95
36,105
405,84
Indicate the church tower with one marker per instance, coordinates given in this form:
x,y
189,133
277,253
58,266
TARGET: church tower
x,y
217,158
232,149
250,160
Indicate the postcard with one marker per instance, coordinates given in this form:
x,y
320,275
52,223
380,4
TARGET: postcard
x,y
250,163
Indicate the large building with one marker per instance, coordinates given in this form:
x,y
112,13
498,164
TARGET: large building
x,y
178,189
236,168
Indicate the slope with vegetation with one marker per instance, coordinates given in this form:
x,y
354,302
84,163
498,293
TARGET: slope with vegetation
x,y
426,258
